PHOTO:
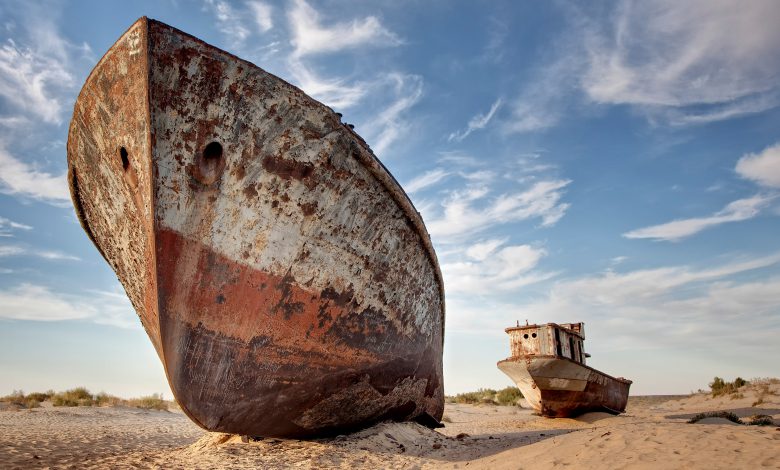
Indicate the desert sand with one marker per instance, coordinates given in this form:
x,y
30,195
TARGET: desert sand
x,y
475,436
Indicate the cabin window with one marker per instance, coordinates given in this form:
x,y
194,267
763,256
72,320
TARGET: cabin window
x,y
579,350
571,348
558,348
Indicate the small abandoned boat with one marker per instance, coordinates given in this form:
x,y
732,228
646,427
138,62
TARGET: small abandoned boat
x,y
285,279
548,366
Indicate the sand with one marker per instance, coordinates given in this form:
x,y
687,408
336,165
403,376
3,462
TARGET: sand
x,y
474,437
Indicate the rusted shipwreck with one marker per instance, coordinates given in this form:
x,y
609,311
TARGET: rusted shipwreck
x,y
283,276
548,366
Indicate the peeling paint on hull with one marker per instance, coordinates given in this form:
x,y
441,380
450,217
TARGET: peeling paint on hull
x,y
559,387
285,279
547,363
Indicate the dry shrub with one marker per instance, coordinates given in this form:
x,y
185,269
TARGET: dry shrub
x,y
721,387
78,396
32,400
151,402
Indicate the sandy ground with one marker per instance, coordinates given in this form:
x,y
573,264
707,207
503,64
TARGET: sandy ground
x,y
474,437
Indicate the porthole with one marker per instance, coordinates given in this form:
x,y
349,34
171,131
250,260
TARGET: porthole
x,y
533,335
124,157
209,163
525,336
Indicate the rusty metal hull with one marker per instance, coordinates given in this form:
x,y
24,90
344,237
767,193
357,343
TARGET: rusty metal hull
x,y
283,276
560,387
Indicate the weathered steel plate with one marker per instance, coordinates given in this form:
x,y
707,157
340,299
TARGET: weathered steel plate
x,y
284,277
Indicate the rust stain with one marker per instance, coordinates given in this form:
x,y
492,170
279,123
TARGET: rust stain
x,y
548,366
285,279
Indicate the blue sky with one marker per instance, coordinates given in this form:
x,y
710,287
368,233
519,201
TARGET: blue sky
x,y
616,163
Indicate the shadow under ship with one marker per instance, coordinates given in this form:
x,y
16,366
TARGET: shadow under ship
x,y
548,366
285,279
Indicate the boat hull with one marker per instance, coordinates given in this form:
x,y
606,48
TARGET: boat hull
x,y
559,387
283,276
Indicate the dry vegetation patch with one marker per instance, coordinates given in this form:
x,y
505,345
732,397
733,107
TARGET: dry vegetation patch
x,y
80,396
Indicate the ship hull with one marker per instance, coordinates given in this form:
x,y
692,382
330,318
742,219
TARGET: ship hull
x,y
285,280
559,387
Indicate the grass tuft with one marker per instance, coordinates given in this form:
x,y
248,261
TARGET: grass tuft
x,y
80,396
721,387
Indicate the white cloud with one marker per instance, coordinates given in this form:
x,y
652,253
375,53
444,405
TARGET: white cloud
x,y
542,103
30,79
55,255
229,21
38,68
648,308
309,36
675,304
429,178
762,167
39,303
480,121
11,250
26,180
334,92
739,210
393,121
491,268
461,216
263,15
16,250
718,55
7,226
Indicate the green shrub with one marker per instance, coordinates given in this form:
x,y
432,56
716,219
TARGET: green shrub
x,y
509,396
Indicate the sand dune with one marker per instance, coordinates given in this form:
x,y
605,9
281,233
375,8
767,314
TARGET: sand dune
x,y
474,437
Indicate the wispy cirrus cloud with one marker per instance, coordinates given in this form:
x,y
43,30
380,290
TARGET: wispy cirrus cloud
x,y
762,167
40,303
677,63
263,14
480,121
26,180
429,178
310,36
470,211
393,121
230,22
700,60
39,67
736,211
8,226
18,250
492,266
